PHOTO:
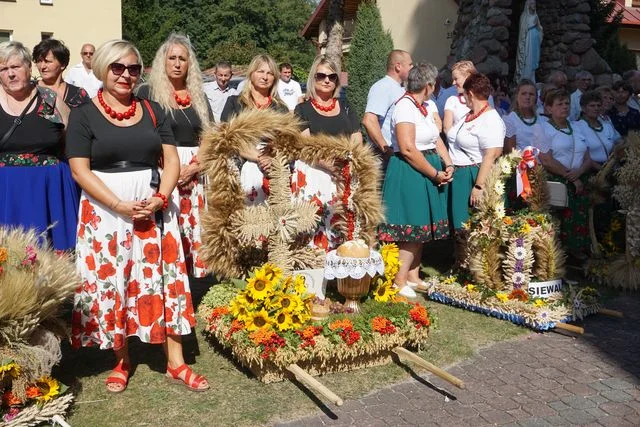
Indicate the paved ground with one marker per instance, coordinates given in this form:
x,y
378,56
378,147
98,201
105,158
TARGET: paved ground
x,y
543,379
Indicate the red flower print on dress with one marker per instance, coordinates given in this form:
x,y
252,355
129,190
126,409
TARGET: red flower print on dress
x,y
175,288
81,230
265,185
147,272
133,289
185,206
145,229
168,315
113,244
106,270
91,262
157,334
320,240
91,326
132,326
150,309
97,246
301,179
188,313
76,321
200,201
169,249
86,212
151,252
110,319
127,269
192,221
118,341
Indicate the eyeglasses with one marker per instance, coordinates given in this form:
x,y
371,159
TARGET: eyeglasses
x,y
88,53
322,76
118,69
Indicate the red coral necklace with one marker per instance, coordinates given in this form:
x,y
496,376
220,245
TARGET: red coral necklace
x,y
262,106
420,107
324,108
183,102
113,113
474,116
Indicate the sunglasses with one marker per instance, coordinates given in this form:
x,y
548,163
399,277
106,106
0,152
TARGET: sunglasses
x,y
118,68
88,53
322,76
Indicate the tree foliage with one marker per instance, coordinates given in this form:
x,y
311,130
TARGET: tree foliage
x,y
232,30
605,23
367,59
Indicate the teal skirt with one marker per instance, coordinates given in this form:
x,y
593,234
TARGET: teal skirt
x,y
415,208
464,179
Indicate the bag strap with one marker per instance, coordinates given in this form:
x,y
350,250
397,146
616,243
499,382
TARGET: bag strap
x,y
151,113
17,122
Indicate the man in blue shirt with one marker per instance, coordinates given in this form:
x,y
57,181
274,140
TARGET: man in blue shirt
x,y
382,97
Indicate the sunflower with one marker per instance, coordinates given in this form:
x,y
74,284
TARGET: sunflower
x,y
257,320
284,320
384,292
286,302
9,367
299,285
49,388
259,286
272,272
239,308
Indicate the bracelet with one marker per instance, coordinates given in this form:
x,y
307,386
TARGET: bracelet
x,y
165,200
450,166
477,187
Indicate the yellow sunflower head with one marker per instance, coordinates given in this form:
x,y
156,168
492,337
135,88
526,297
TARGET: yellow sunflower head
x,y
49,388
284,320
384,292
258,319
259,286
299,285
272,272
288,302
239,308
9,367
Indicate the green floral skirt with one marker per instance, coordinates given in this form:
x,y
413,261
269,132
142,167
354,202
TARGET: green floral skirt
x,y
574,219
459,193
415,208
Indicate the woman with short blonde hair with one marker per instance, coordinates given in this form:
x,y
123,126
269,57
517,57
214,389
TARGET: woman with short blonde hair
x,y
175,83
324,61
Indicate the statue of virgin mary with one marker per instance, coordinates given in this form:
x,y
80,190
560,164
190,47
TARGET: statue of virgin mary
x,y
529,42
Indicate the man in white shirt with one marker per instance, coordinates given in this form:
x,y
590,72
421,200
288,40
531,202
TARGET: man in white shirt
x,y
288,89
81,74
584,81
381,98
219,90
557,79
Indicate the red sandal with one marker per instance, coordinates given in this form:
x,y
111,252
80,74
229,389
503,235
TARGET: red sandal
x,y
122,369
191,381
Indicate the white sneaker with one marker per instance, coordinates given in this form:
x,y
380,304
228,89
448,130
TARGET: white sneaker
x,y
407,292
420,286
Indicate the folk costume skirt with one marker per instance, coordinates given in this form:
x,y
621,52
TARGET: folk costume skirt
x,y
191,203
134,276
415,208
317,186
460,188
38,192
574,219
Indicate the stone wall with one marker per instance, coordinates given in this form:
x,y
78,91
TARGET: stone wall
x,y
487,33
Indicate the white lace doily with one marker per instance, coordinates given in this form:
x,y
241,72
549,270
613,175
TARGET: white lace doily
x,y
336,266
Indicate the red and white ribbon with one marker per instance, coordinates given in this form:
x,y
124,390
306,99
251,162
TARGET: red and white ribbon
x,y
523,186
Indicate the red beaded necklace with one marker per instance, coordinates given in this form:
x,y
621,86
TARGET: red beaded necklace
x,y
420,107
322,107
182,102
265,105
113,113
474,116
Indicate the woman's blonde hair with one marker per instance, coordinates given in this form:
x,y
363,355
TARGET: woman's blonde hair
x,y
311,80
160,88
514,102
245,96
465,67
109,53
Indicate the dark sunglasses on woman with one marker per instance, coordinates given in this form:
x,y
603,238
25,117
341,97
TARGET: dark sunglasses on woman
x,y
322,76
118,68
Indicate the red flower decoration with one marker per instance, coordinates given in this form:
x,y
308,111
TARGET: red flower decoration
x,y
145,229
106,270
151,252
169,249
150,309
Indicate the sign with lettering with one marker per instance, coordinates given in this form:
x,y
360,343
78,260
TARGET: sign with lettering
x,y
545,289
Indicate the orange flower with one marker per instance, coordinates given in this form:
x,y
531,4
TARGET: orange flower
x,y
32,392
133,289
91,262
382,325
4,254
261,336
169,249
97,246
86,212
419,315
185,206
150,309
113,244
341,324
507,220
519,294
151,252
10,399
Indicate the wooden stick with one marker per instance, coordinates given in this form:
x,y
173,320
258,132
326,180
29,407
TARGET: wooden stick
x,y
403,353
313,384
612,313
570,328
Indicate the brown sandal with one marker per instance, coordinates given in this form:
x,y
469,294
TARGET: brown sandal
x,y
191,381
122,369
